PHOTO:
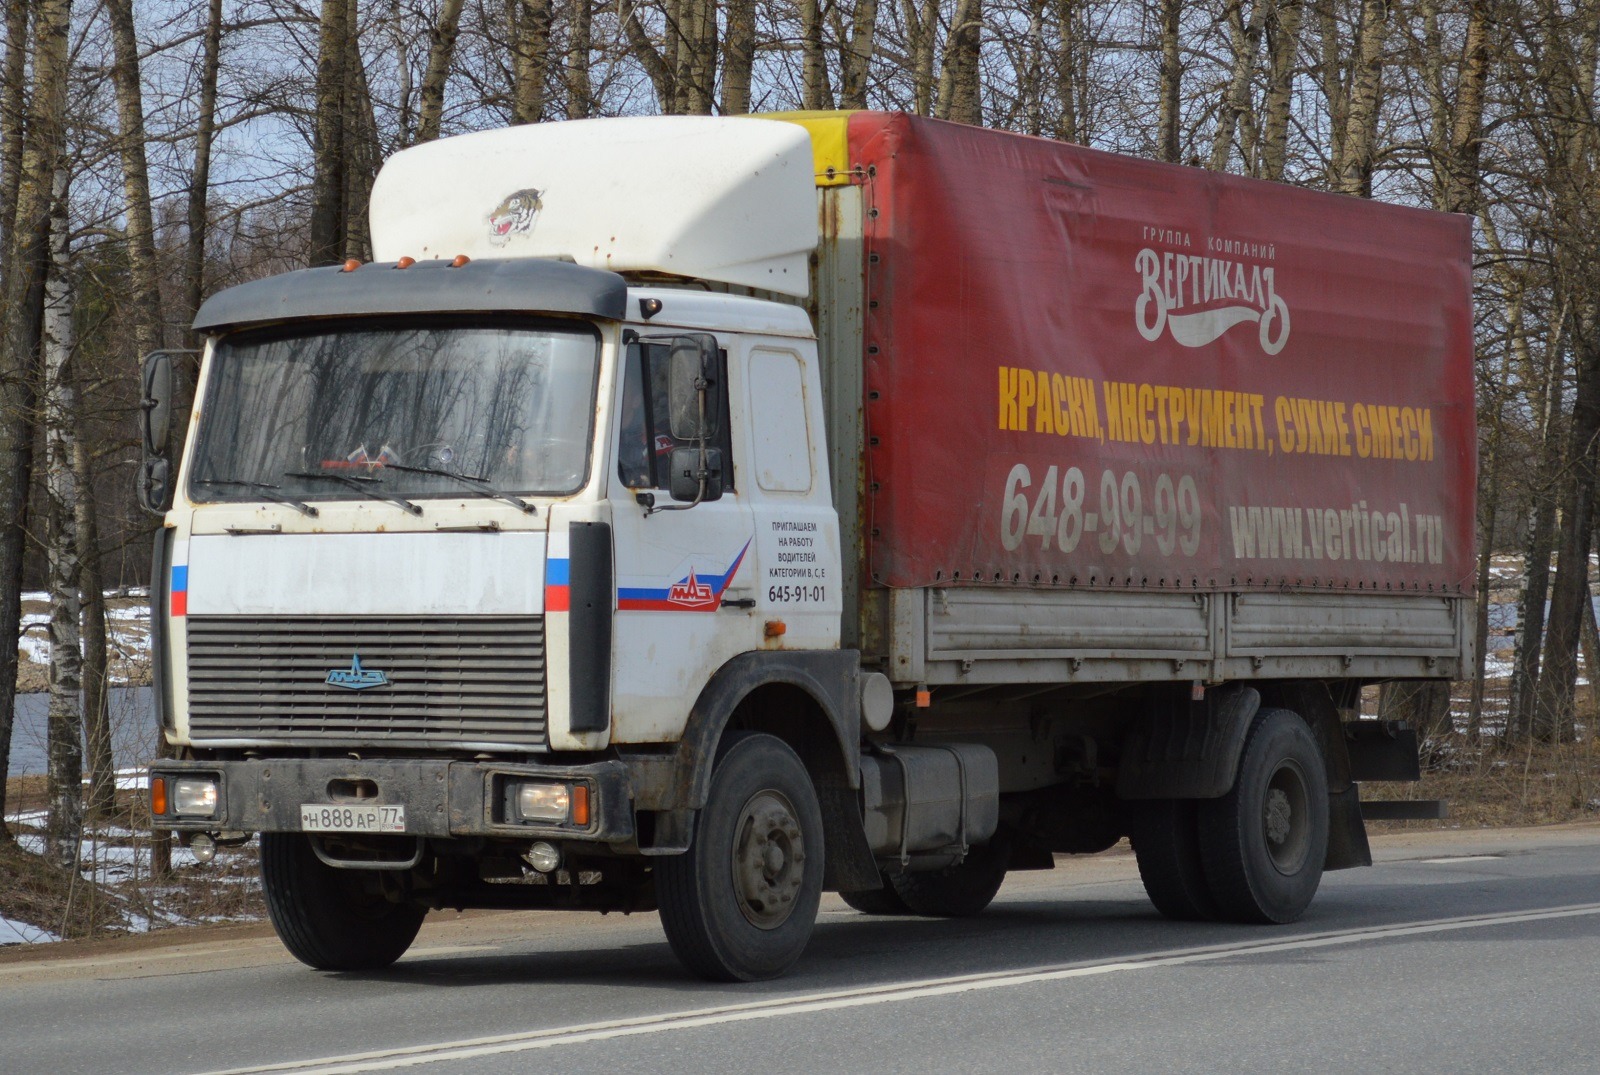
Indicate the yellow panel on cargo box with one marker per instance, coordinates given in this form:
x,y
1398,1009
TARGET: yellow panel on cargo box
x,y
830,143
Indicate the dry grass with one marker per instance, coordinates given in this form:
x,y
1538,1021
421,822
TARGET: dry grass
x,y
44,895
1491,786
113,892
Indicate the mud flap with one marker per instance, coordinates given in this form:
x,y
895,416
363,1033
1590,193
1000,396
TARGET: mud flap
x,y
1347,831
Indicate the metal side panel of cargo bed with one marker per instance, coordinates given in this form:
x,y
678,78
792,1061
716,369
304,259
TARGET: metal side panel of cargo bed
x,y
1022,635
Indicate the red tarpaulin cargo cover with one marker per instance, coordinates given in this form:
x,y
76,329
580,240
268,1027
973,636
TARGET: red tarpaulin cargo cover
x,y
1091,370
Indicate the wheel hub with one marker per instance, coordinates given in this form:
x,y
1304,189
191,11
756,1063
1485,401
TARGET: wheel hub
x,y
1286,819
768,859
1279,815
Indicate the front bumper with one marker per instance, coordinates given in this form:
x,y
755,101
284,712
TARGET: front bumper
x,y
441,798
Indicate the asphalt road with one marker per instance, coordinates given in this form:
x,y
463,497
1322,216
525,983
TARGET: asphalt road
x,y
1469,952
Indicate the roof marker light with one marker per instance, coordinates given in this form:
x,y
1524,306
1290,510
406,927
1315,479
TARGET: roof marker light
x,y
405,263
459,260
352,265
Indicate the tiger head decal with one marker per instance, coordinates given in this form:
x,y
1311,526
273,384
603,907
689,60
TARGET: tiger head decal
x,y
515,215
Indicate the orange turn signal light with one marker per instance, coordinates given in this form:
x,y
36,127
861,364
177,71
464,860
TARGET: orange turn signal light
x,y
158,795
776,629
580,805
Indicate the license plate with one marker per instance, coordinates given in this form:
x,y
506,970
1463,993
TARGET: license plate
x,y
330,817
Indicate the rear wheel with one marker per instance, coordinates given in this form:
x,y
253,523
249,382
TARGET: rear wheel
x,y
959,891
740,904
1263,843
1166,844
331,919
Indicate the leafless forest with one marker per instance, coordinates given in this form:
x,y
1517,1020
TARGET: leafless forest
x,y
153,153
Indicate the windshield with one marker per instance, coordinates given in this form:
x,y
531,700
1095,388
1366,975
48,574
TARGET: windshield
x,y
510,405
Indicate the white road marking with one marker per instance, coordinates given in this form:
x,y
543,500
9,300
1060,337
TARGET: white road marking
x,y
1453,859
472,1048
446,950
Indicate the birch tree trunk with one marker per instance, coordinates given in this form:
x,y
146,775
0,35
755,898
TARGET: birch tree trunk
x,y
1462,168
1360,136
530,56
1067,62
194,255
13,103
96,680
441,53
328,150
1246,37
44,142
64,776
580,42
1283,47
922,21
1536,556
738,57
362,151
814,67
145,273
1170,91
1331,76
855,58
960,95
697,56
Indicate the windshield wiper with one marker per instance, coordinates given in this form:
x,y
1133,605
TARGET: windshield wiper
x,y
360,485
481,484
268,492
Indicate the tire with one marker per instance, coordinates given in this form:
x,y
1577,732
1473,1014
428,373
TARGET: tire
x,y
740,904
880,901
1166,844
1263,843
956,891
327,918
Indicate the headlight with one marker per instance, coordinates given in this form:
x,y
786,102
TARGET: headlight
x,y
543,802
195,796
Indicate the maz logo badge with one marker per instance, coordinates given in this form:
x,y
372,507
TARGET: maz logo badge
x,y
355,677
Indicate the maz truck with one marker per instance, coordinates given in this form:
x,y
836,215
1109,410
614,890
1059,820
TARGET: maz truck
x,y
704,514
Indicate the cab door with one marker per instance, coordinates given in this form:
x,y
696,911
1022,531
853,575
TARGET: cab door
x,y
685,578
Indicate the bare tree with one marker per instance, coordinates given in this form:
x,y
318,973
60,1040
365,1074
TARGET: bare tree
x,y
530,57
441,51
43,155
63,831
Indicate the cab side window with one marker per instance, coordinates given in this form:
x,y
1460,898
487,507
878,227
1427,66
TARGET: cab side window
x,y
645,443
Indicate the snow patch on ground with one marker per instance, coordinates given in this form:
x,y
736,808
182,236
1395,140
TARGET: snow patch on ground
x,y
22,933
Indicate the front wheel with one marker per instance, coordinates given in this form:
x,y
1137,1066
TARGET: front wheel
x,y
1264,842
740,904
327,918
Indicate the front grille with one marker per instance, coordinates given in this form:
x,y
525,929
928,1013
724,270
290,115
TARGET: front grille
x,y
471,681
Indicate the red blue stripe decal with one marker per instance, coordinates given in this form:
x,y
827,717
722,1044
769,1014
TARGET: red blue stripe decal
x,y
557,584
693,593
180,590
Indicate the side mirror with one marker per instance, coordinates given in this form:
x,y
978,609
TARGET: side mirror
x,y
155,485
694,394
686,475
155,404
155,433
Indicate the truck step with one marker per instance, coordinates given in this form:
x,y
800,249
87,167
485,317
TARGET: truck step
x,y
1405,810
